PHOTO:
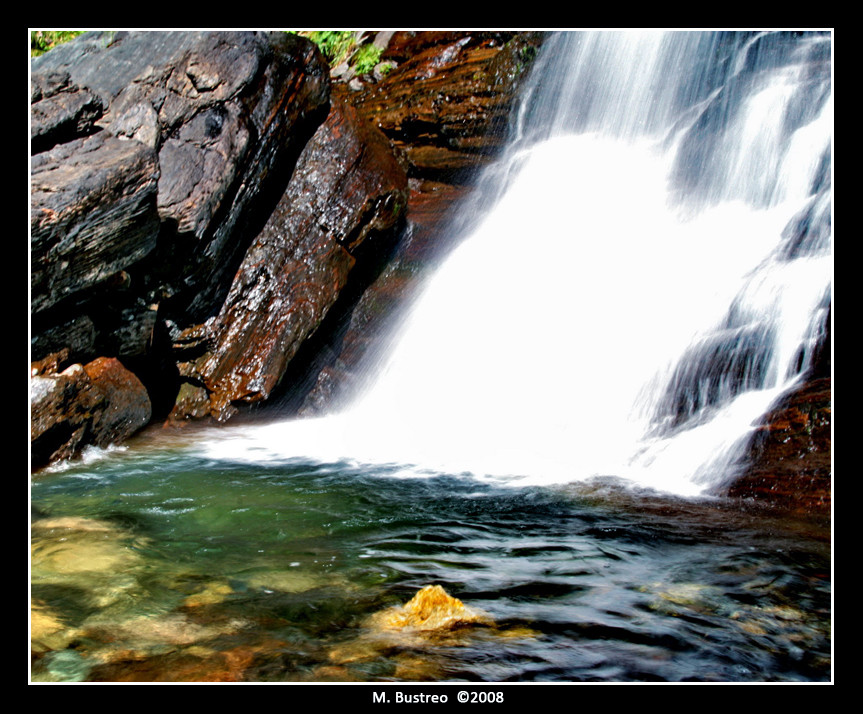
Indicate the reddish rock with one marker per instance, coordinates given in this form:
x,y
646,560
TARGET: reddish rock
x,y
100,404
346,195
789,456
126,403
364,337
447,105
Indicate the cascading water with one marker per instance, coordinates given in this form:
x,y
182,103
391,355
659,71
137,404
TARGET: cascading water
x,y
655,270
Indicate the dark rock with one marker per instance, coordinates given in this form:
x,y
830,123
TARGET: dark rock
x,y
61,409
218,117
77,336
60,112
346,196
126,403
156,158
93,213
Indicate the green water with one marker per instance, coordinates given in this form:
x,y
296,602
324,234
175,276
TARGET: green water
x,y
154,564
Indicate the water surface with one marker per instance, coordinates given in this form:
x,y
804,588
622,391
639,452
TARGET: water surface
x,y
160,565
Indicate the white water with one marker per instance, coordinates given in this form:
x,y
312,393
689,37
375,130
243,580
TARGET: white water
x,y
550,346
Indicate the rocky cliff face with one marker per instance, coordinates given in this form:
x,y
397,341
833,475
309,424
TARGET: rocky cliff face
x,y
156,156
207,210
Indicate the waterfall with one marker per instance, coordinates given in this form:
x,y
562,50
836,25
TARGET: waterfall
x,y
654,269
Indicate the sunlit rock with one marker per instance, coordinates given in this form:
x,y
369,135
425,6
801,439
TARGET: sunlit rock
x,y
431,609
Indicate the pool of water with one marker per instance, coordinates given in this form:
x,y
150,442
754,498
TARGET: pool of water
x,y
155,564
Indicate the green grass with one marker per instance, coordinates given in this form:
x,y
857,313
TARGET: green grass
x,y
43,40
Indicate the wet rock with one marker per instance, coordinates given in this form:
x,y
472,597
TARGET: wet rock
x,y
211,593
191,664
98,404
429,620
431,609
47,630
445,109
127,405
341,207
447,104
789,455
63,548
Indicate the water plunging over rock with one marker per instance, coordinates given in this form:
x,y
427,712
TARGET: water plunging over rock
x,y
621,310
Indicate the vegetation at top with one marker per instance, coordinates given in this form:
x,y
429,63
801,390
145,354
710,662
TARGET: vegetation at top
x,y
43,40
337,46
340,46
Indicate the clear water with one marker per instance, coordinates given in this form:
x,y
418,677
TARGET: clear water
x,y
546,440
166,566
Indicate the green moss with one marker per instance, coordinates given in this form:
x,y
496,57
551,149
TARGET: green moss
x,y
340,46
43,40
365,58
335,45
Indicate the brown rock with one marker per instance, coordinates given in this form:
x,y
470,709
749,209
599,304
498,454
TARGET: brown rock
x,y
448,104
347,193
100,404
789,455
127,405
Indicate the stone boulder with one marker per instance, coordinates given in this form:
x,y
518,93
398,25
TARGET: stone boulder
x,y
98,404
432,609
789,459
197,135
339,212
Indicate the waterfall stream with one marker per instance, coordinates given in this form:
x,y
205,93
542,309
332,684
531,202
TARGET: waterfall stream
x,y
651,267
